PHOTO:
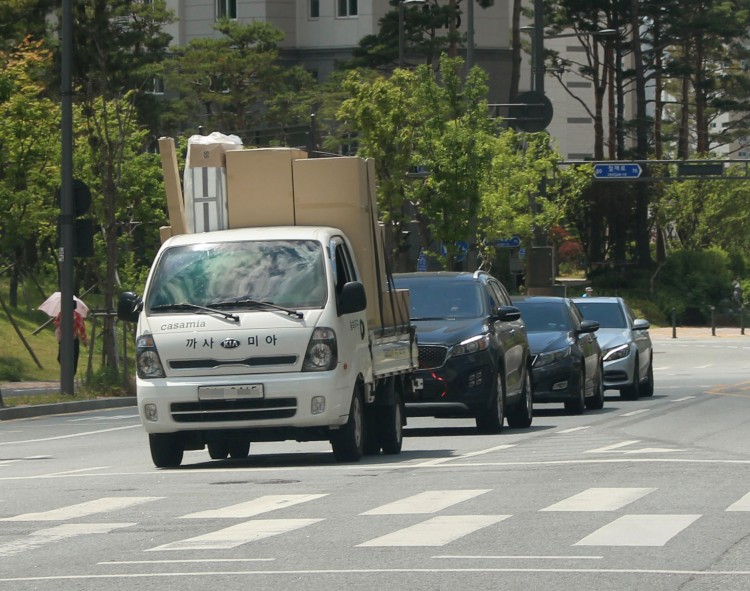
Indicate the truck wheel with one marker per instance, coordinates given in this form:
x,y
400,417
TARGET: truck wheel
x,y
218,450
372,431
239,450
349,441
166,449
391,428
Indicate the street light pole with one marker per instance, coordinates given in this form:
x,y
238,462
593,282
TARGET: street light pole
x,y
470,35
401,16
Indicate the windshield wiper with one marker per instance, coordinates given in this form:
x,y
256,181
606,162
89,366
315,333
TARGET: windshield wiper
x,y
239,303
194,307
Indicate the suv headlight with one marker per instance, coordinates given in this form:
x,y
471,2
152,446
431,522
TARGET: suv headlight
x,y
551,357
147,358
473,345
619,352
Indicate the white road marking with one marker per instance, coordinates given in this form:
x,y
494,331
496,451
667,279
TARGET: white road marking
x,y
682,399
703,366
236,535
83,509
635,412
83,434
600,499
436,531
608,448
55,534
429,501
653,450
467,455
742,505
107,418
79,471
254,507
639,530
573,429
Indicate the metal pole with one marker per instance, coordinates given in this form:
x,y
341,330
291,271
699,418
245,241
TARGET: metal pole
x,y
674,323
401,34
65,254
538,46
713,321
742,319
470,35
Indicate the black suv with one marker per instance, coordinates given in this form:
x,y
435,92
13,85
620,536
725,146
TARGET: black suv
x,y
474,358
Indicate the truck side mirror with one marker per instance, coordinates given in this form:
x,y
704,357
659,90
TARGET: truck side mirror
x,y
129,306
352,298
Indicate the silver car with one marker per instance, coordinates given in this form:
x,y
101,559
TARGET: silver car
x,y
626,346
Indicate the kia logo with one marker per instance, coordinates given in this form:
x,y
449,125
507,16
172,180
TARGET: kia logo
x,y
230,343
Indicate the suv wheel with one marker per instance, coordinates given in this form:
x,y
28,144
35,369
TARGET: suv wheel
x,y
491,420
521,414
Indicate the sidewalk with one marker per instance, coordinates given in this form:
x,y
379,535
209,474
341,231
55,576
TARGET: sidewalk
x,y
696,333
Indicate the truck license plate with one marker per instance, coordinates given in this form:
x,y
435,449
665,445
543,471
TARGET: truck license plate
x,y
230,392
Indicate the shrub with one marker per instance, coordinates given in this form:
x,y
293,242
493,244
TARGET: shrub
x,y
11,369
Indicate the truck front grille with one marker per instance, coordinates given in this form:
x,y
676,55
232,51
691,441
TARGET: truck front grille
x,y
432,356
249,362
215,411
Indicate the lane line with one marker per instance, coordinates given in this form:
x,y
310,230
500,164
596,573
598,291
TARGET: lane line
x,y
185,561
467,455
635,412
436,531
79,471
237,535
682,399
608,448
429,501
600,499
742,505
639,530
573,429
254,507
512,557
58,437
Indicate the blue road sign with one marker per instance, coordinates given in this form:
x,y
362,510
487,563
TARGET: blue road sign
x,y
617,171
462,248
513,242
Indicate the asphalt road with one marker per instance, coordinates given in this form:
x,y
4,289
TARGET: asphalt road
x,y
649,494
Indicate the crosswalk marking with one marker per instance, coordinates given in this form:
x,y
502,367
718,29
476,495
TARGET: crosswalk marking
x,y
742,505
83,509
430,501
236,535
55,534
639,530
254,507
436,531
600,499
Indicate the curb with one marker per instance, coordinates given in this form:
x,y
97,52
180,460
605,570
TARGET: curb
x,y
38,410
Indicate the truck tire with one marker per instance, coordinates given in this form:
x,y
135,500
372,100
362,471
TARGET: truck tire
x,y
349,441
391,428
373,420
218,450
166,449
239,450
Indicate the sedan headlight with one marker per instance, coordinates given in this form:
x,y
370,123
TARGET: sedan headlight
x,y
473,345
551,357
619,352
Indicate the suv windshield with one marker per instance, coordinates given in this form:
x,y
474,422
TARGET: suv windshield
x,y
288,273
442,299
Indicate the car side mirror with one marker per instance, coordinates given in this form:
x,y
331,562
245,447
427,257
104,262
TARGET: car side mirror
x,y
352,298
507,313
588,326
129,306
641,324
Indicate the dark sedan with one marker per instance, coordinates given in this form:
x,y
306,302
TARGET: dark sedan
x,y
474,358
567,359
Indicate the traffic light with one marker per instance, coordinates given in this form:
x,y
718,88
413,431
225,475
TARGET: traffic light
x,y
83,229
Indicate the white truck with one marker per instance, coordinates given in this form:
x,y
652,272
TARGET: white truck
x,y
275,332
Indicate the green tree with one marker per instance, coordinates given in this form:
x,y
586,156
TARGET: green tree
x,y
29,160
236,83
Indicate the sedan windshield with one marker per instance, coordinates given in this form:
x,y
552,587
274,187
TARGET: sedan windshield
x,y
287,273
544,317
608,315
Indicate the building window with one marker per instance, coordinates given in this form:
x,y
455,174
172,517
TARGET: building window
x,y
155,86
347,8
226,9
314,8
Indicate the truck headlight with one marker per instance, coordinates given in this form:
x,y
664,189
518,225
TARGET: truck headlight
x,y
322,352
147,358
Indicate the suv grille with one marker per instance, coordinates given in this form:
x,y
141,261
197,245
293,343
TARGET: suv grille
x,y
432,356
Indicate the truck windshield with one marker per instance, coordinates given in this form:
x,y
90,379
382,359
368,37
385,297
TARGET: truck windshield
x,y
287,273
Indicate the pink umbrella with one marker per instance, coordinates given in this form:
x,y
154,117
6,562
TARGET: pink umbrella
x,y
53,304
